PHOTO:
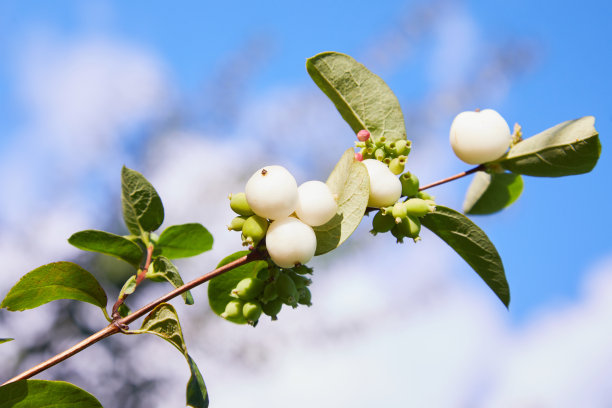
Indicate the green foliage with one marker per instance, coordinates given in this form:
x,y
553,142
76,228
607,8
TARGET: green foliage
x,y
473,245
492,192
142,208
363,99
5,340
161,269
108,244
182,241
220,287
40,393
163,322
58,280
350,181
568,148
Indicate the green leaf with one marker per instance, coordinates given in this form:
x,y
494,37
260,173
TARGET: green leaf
x,y
58,280
161,269
49,394
473,245
5,340
142,208
363,99
489,193
350,181
181,241
128,287
569,148
220,287
108,244
163,322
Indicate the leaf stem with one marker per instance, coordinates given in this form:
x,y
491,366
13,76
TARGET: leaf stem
x,y
455,177
121,324
140,275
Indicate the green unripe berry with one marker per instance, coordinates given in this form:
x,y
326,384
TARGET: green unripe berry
x,y
425,196
402,147
398,233
302,270
379,154
251,311
239,205
269,293
237,223
287,292
410,227
300,281
233,310
397,165
254,229
418,207
410,184
304,297
383,222
272,308
248,288
390,147
399,212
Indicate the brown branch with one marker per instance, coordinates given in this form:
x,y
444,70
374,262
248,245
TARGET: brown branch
x,y
455,177
121,324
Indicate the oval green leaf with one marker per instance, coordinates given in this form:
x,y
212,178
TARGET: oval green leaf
x,y
58,280
568,148
163,322
181,241
40,393
363,99
5,340
220,287
350,182
473,245
143,210
162,269
108,244
492,192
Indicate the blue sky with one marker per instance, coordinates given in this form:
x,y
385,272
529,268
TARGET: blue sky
x,y
551,240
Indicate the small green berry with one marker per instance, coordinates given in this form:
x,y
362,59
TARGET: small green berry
x,y
237,223
411,227
248,288
383,221
410,184
300,281
418,207
233,310
269,293
251,311
397,165
239,205
272,308
399,211
254,229
402,147
304,297
379,154
286,289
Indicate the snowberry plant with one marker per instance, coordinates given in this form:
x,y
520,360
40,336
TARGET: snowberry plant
x,y
283,225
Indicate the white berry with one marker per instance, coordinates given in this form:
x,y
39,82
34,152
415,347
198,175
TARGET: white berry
x,y
479,137
316,203
272,192
289,242
385,187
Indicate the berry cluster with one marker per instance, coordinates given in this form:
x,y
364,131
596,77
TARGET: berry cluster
x,y
268,292
401,218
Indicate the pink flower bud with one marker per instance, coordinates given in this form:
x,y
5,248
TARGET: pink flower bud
x,y
363,135
358,156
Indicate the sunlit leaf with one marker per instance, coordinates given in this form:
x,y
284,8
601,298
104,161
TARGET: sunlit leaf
x,y
58,280
473,245
568,148
45,394
363,99
181,241
5,340
220,287
162,269
163,322
107,243
142,208
489,193
350,182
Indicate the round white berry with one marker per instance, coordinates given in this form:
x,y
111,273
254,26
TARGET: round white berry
x,y
385,187
272,192
479,137
289,242
316,203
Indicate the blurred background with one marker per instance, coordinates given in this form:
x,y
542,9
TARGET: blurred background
x,y
197,96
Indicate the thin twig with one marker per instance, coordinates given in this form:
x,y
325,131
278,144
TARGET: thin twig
x,y
140,275
119,325
455,177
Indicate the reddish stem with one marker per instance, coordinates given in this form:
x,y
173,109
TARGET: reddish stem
x,y
455,177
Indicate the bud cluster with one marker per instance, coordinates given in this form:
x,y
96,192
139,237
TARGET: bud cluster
x,y
391,152
266,293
